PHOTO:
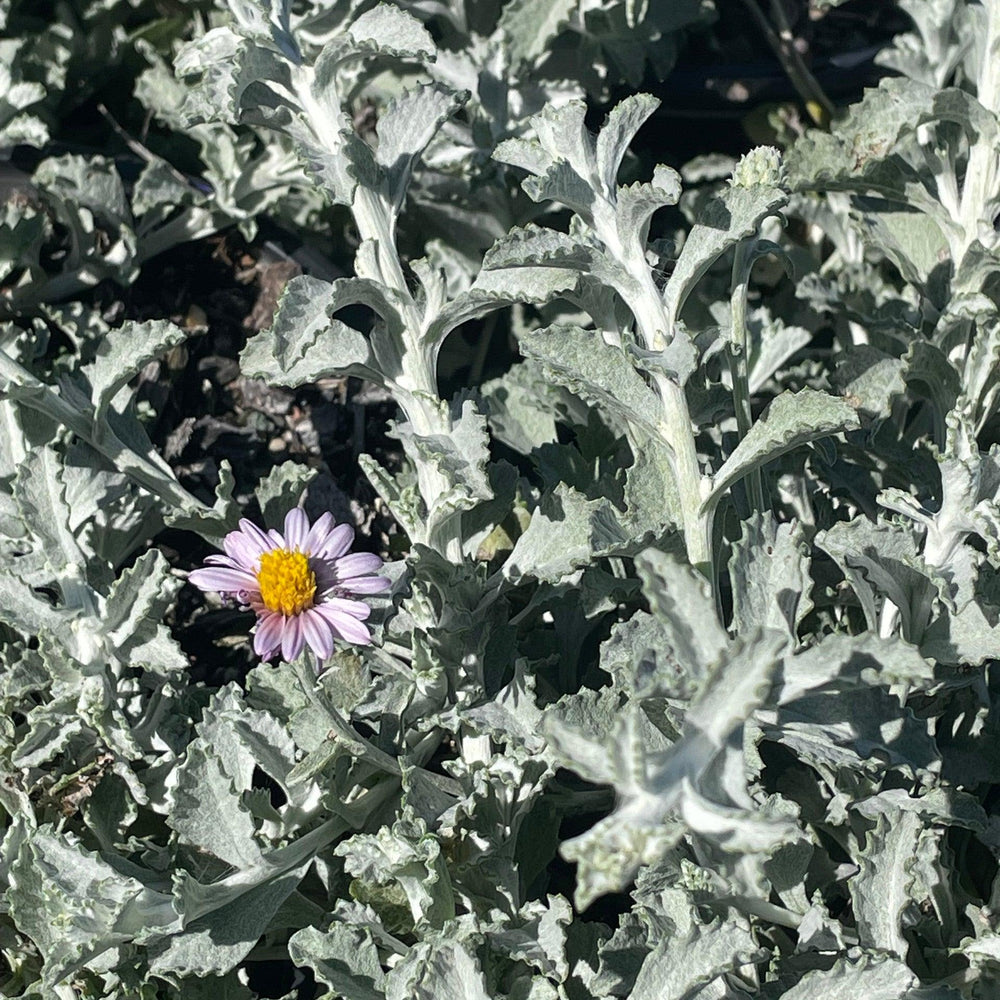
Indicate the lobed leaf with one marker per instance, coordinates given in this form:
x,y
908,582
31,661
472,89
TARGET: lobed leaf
x,y
305,343
566,531
616,135
596,371
769,570
529,27
790,420
123,353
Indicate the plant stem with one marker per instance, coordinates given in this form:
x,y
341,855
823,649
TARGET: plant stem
x,y
739,360
419,399
655,330
819,106
677,432
981,173
340,728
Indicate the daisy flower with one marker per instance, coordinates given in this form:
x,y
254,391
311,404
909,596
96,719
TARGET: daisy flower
x,y
304,585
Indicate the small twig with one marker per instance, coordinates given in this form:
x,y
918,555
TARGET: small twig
x,y
819,106
482,349
139,149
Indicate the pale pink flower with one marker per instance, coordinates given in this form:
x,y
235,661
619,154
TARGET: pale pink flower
x,y
305,587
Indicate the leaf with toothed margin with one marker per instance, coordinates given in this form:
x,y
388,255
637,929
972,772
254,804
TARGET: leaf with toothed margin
x,y
233,78
681,600
566,531
219,941
338,172
408,855
561,161
562,132
529,26
677,361
280,490
136,608
400,494
562,184
931,374
28,612
619,129
460,456
769,569
970,482
405,128
733,216
773,342
536,246
527,154
75,905
207,811
869,380
221,518
790,420
533,246
881,560
636,203
493,290
268,21
565,163
391,31
680,964
597,372
857,153
304,343
883,889
343,957
874,977
666,791
40,493
124,352
385,30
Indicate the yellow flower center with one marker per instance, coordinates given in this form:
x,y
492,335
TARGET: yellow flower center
x,y
287,584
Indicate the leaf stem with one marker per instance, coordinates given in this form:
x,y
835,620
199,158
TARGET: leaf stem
x,y
340,729
739,359
678,434
656,330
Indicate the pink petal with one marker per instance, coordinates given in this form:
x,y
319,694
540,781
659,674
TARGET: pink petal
x,y
357,564
343,606
292,639
255,537
268,635
344,626
223,579
275,538
218,560
367,585
240,549
296,529
318,532
338,541
317,633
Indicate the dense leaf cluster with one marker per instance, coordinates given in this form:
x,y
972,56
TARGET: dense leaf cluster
x,y
685,688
